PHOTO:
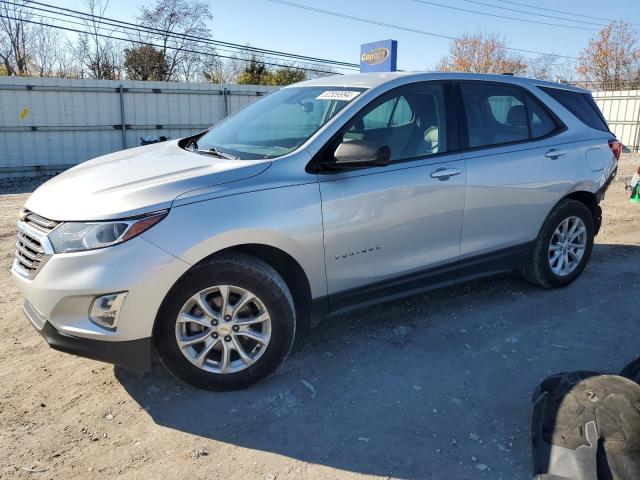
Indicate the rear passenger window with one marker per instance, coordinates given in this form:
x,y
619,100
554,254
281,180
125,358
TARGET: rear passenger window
x,y
496,114
582,105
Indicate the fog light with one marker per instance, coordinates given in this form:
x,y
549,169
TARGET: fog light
x,y
105,310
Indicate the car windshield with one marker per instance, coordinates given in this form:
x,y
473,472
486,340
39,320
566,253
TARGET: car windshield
x,y
277,124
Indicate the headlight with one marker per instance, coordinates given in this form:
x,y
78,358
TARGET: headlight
x,y
79,236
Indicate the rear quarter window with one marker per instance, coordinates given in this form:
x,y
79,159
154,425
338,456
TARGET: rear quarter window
x,y
582,105
542,124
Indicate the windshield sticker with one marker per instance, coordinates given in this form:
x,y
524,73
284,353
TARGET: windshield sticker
x,y
345,95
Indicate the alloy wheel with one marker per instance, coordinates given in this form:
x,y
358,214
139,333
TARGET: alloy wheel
x,y
567,246
223,329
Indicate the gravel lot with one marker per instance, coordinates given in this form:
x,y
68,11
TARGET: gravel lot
x,y
437,386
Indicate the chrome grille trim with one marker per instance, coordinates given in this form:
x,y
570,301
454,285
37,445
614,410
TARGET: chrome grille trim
x,y
39,222
22,238
27,252
25,263
33,248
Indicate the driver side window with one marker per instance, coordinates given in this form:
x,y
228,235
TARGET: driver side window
x,y
410,123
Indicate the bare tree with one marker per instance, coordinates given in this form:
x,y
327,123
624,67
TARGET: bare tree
x,y
219,70
565,72
68,65
177,24
45,51
191,67
543,67
14,35
228,70
100,56
319,71
481,53
611,60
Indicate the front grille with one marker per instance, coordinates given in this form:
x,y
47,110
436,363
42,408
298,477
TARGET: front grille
x,y
31,254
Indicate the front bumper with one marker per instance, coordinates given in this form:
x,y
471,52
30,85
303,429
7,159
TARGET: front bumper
x,y
59,297
134,355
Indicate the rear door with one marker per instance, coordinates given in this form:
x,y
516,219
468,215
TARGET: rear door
x,y
517,168
382,223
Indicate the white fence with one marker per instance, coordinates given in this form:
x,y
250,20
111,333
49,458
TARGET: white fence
x,y
48,124
622,111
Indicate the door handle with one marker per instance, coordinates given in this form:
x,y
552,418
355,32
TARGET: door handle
x,y
553,153
443,174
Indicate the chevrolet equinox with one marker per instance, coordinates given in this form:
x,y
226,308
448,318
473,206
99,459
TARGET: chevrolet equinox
x,y
324,196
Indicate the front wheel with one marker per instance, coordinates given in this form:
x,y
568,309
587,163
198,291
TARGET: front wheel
x,y
563,247
227,324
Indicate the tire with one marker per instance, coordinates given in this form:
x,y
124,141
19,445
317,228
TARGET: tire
x,y
589,421
540,271
239,276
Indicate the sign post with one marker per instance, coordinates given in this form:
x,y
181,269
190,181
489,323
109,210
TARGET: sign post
x,y
379,56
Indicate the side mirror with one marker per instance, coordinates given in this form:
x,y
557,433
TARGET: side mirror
x,y
355,154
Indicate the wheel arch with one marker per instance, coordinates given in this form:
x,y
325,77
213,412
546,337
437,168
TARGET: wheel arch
x,y
287,267
285,264
590,200
585,197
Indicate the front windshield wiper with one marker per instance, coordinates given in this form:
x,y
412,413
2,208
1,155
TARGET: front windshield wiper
x,y
216,153
213,151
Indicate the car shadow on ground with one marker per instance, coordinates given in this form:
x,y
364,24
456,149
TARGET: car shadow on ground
x,y
436,386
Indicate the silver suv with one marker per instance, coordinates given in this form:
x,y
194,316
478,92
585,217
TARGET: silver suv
x,y
324,196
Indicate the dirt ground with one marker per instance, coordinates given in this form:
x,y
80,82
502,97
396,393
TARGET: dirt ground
x,y
435,387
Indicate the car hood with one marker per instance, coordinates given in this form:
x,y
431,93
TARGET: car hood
x,y
134,181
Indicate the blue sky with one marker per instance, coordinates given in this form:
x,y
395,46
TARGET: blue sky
x,y
262,23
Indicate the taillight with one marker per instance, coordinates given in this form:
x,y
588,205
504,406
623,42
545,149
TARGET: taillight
x,y
616,148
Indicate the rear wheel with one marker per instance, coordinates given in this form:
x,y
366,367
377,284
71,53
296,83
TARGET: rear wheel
x,y
563,247
227,324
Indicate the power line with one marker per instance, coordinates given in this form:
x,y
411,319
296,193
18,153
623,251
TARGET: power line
x,y
155,45
564,12
401,27
495,15
198,39
555,17
102,27
100,24
129,25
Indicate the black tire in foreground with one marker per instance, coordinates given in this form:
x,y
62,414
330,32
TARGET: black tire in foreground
x,y
254,292
543,270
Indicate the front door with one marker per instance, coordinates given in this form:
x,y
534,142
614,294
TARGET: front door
x,y
385,224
